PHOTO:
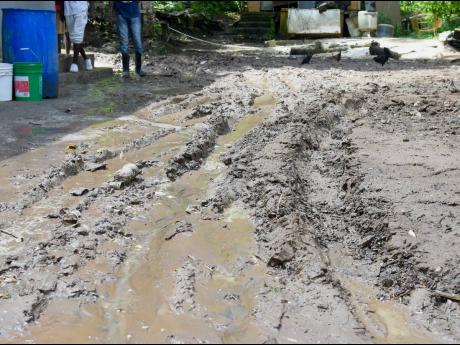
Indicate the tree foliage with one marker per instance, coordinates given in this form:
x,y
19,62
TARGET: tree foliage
x,y
439,9
204,7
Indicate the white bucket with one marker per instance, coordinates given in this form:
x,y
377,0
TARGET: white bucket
x,y
367,21
6,82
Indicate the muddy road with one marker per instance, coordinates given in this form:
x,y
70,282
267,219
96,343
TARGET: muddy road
x,y
270,202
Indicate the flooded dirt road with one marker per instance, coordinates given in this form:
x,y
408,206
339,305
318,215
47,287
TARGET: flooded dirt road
x,y
279,203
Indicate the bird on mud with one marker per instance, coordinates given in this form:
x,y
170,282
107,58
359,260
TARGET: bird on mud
x,y
338,56
382,54
383,58
306,59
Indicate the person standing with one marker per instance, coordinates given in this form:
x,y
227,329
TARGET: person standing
x,y
76,16
129,22
63,34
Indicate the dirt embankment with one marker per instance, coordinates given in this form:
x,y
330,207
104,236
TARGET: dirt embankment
x,y
279,203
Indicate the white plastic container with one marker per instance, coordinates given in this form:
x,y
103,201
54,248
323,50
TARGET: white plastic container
x,y
367,21
6,82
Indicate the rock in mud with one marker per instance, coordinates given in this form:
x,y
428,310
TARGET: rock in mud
x,y
192,209
103,155
128,173
284,256
69,217
37,307
181,227
48,284
92,167
78,191
117,185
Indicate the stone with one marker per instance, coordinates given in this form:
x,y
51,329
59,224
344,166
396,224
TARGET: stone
x,y
128,173
92,167
80,191
282,257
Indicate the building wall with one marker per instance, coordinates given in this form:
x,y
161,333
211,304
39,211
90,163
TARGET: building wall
x,y
33,5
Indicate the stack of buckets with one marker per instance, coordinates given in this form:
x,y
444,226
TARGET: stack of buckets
x,y
24,78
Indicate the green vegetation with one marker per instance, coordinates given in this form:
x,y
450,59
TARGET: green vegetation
x,y
203,7
438,9
433,11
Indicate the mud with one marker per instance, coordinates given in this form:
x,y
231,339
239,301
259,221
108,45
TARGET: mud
x,y
278,203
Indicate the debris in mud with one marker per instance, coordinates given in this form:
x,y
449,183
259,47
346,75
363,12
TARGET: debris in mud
x,y
79,191
180,228
10,234
172,339
452,297
200,111
452,87
38,306
185,287
92,167
116,185
69,217
103,155
128,173
192,209
366,242
281,258
8,280
48,283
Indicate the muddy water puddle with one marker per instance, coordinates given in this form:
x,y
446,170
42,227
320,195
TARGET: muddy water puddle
x,y
192,275
387,322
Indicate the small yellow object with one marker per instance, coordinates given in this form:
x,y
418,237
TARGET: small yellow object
x,y
71,147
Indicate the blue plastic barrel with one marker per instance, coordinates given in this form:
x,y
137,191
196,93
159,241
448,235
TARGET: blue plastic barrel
x,y
31,36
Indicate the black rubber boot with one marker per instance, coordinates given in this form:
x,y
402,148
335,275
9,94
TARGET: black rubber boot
x,y
125,60
139,70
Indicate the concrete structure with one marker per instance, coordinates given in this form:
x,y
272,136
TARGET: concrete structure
x,y
311,23
391,9
33,5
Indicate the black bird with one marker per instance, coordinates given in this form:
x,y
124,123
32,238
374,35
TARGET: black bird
x,y
338,56
375,48
306,60
383,58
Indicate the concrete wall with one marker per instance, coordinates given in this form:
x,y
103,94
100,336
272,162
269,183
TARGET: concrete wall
x,y
33,5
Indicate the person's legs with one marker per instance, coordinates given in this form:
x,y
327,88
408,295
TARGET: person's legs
x,y
71,26
76,53
76,25
68,44
136,32
123,35
82,20
82,52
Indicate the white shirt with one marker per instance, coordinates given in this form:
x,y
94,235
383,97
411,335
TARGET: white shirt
x,y
75,7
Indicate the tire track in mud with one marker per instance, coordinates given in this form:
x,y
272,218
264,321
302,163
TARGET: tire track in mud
x,y
99,223
297,179
269,174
